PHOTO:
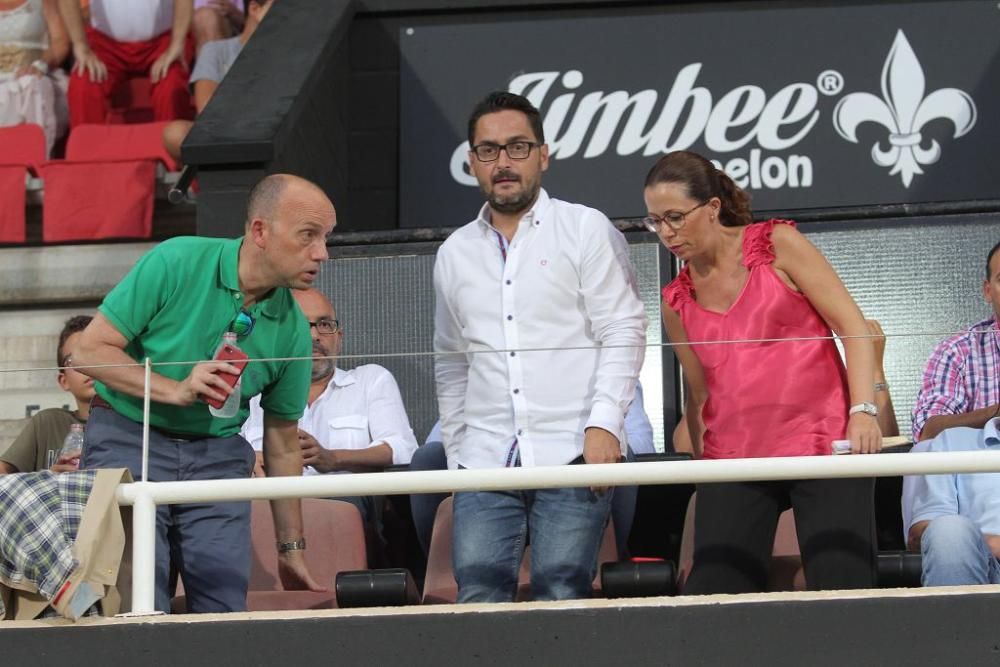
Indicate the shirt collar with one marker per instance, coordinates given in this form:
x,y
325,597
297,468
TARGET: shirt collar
x,y
535,214
342,378
229,276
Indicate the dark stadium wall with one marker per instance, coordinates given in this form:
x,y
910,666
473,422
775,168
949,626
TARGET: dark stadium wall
x,y
828,629
331,110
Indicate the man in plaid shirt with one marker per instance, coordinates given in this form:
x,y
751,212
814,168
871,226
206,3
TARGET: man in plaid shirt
x,y
961,385
953,520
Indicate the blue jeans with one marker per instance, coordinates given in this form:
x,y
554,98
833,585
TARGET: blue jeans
x,y
208,543
491,529
423,506
954,553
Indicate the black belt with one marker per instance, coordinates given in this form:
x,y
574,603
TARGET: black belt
x,y
98,402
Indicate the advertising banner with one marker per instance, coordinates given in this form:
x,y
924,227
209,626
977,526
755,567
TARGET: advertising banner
x,y
809,107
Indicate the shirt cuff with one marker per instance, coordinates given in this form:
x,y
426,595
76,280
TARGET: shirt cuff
x,y
610,418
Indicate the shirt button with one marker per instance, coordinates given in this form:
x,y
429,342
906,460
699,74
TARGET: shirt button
x,y
510,317
513,354
508,282
517,391
519,431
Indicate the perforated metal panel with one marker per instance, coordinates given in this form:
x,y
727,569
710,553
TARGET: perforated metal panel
x,y
919,280
386,305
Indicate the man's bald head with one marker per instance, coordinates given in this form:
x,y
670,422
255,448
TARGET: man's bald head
x,y
266,196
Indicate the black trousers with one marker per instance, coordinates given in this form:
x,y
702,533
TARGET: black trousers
x,y
735,525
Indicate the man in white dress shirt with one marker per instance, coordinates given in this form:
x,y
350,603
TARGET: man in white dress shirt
x,y
531,272
355,420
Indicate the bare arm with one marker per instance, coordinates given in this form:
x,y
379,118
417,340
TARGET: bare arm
x,y
283,458
183,11
58,37
916,532
101,343
370,459
974,419
203,91
815,278
7,469
86,61
694,376
883,399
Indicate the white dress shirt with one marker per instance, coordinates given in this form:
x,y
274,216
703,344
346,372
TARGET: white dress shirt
x,y
358,409
132,20
567,282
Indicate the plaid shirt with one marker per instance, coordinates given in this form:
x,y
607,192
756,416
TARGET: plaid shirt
x,y
962,375
40,515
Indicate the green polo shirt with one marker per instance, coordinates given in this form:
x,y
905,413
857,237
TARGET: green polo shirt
x,y
175,305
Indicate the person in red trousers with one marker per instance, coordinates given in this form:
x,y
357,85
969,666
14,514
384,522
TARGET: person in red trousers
x,y
125,39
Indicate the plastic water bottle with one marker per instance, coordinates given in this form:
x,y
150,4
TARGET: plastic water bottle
x,y
73,444
232,404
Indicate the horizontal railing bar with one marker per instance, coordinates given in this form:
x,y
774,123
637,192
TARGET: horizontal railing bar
x,y
546,477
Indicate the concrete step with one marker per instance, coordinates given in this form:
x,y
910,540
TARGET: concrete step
x,y
61,274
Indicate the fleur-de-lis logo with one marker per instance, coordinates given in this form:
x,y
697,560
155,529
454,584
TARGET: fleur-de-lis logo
x,y
904,111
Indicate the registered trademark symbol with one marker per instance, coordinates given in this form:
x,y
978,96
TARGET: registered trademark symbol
x,y
830,82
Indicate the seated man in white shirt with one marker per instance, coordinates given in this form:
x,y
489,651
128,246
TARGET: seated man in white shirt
x,y
354,421
540,335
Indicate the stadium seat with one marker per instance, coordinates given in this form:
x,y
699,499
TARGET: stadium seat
x,y
97,200
786,572
336,543
440,586
23,145
23,152
142,141
105,186
336,538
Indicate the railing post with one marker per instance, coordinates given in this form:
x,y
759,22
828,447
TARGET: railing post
x,y
143,551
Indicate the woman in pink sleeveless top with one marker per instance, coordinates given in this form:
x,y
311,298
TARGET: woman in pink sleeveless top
x,y
779,390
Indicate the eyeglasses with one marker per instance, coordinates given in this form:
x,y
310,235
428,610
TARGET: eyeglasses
x,y
242,324
674,219
326,326
516,150
66,363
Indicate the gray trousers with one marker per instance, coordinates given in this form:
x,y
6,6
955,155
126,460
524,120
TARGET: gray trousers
x,y
208,544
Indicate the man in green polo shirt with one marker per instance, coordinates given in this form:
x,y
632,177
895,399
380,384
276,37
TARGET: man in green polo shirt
x,y
174,306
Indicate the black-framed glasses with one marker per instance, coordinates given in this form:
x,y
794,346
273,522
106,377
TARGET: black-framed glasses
x,y
326,326
242,324
674,219
516,150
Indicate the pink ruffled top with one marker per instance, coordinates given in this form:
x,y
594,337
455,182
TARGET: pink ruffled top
x,y
779,398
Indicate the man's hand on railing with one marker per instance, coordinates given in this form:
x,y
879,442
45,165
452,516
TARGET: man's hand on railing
x,y
599,446
294,574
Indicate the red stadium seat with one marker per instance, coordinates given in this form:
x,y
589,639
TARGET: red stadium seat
x,y
97,200
23,145
105,187
142,141
440,586
786,572
23,151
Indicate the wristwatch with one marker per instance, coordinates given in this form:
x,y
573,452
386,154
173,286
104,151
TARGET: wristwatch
x,y
294,545
867,408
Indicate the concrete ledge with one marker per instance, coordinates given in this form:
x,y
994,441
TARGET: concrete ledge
x,y
62,274
912,626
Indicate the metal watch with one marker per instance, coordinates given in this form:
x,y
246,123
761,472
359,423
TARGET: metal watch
x,y
867,408
294,545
